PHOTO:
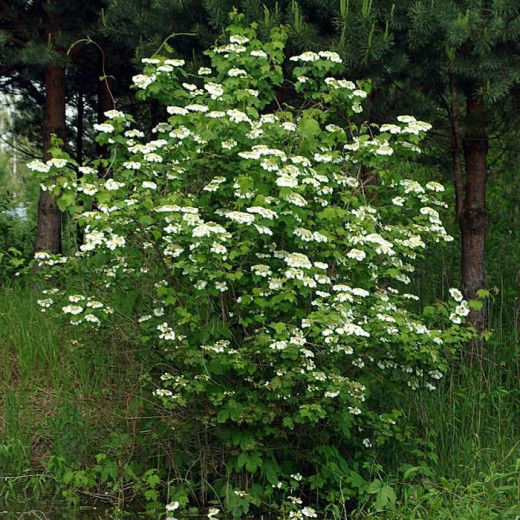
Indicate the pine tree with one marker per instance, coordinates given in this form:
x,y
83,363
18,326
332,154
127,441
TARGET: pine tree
x,y
36,38
468,54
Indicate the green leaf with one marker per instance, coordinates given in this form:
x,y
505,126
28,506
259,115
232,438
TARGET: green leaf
x,y
254,462
242,460
269,469
288,423
223,415
476,305
145,220
109,471
125,301
309,128
374,487
385,498
67,477
66,200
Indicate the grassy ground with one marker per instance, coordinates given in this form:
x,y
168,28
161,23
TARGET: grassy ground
x,y
64,399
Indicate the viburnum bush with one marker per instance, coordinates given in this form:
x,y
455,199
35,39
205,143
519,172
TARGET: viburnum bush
x,y
249,245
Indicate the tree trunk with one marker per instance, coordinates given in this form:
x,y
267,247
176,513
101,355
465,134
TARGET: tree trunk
x,y
456,150
79,127
48,231
473,218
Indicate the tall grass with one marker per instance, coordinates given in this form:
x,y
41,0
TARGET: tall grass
x,y
60,393
64,395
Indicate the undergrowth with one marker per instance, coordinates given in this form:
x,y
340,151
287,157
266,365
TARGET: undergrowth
x,y
75,426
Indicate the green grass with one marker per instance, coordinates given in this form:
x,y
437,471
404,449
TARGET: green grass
x,y
64,398
60,394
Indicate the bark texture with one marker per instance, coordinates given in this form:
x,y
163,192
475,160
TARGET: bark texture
x,y
48,230
473,219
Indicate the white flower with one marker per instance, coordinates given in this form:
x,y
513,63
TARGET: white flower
x,y
112,114
221,286
172,506
197,108
406,119
236,72
296,199
240,217
214,114
115,241
213,512
91,318
434,186
259,54
288,126
88,189
462,309
132,165
87,170
309,512
153,157
263,230
238,38
261,270
263,212
174,62
150,185
218,249
331,56
384,149
393,129
331,394
306,56
72,309
284,181
205,230
57,163
176,111
357,254
142,81
456,294
204,71
38,166
236,116
180,133
367,443
214,89
113,185
298,260
229,144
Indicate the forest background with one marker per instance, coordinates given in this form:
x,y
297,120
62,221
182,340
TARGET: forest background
x,y
76,411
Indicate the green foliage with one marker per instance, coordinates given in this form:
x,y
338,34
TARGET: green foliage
x,y
268,276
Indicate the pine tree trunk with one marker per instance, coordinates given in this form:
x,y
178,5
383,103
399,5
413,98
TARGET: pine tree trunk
x,y
473,218
48,231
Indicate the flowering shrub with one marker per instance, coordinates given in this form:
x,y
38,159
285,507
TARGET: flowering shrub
x,y
243,240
